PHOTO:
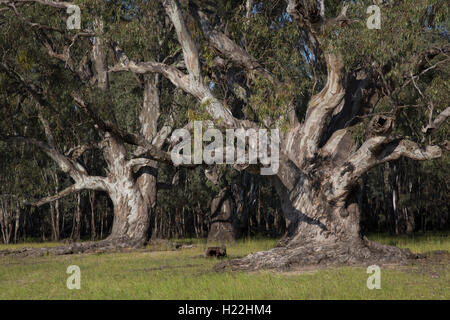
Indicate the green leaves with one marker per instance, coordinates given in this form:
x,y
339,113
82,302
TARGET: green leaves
x,y
270,101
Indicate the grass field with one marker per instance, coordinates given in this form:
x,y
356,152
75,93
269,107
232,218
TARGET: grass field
x,y
156,272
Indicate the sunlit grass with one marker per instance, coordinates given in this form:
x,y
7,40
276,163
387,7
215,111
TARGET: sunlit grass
x,y
19,245
417,243
186,274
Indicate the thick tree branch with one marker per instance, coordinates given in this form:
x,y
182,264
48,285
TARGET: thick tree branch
x,y
64,163
320,107
190,51
127,137
89,182
191,58
73,188
163,134
249,8
50,3
76,152
152,153
48,131
375,151
178,78
437,122
229,49
99,55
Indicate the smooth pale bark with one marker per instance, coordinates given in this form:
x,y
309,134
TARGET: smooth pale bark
x,y
5,221
134,189
438,121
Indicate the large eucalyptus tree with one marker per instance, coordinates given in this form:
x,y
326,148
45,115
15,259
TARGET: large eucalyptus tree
x,y
257,64
59,71
354,123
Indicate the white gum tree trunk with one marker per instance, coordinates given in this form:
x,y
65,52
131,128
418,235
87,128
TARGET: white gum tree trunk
x,y
131,181
133,189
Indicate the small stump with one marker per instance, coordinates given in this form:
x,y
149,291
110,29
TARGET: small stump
x,y
218,252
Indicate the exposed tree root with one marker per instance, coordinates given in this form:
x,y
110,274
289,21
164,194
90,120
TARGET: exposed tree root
x,y
107,245
103,246
296,256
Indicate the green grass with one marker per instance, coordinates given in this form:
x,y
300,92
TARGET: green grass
x,y
417,243
185,274
15,246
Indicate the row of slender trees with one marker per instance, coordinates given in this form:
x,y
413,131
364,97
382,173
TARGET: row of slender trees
x,y
416,201
88,215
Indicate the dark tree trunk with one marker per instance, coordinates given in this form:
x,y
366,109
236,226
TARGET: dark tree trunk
x,y
16,223
222,209
92,204
53,221
77,227
230,209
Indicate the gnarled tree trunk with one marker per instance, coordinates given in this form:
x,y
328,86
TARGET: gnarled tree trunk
x,y
318,233
131,213
320,171
134,187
